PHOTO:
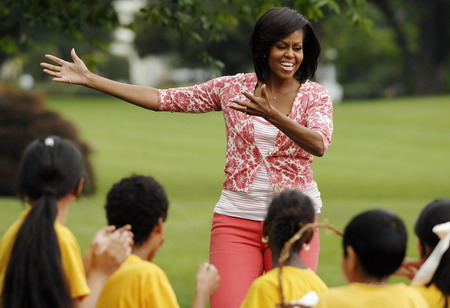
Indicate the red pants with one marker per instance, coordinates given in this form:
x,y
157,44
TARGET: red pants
x,y
240,256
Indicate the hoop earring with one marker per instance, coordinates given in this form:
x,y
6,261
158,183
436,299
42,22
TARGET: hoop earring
x,y
265,239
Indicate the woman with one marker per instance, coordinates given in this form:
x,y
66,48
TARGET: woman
x,y
276,119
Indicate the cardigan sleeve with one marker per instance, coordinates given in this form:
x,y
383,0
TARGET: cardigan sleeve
x,y
320,114
200,98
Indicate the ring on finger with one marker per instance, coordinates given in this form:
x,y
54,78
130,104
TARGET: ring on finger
x,y
245,110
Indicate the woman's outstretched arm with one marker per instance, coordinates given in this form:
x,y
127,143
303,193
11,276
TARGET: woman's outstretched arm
x,y
77,73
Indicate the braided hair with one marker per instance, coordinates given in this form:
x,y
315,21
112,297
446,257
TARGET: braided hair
x,y
287,213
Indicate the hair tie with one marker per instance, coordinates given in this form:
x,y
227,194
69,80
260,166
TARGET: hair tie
x,y
49,191
50,142
428,268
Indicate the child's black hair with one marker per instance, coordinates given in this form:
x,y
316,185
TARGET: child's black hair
x,y
437,212
139,201
379,240
50,168
287,213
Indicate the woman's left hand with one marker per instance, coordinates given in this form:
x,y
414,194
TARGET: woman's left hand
x,y
257,105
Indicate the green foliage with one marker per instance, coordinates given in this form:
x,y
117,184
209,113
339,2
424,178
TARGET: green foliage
x,y
22,20
212,25
23,118
368,64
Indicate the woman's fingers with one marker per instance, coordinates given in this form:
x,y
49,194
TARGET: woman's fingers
x,y
51,67
74,55
250,96
55,59
263,91
238,105
52,73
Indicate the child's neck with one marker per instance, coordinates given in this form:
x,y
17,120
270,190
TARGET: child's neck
x,y
294,260
362,278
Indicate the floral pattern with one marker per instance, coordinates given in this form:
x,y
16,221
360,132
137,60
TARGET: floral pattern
x,y
288,165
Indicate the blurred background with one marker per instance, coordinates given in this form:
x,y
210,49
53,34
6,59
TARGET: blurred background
x,y
386,64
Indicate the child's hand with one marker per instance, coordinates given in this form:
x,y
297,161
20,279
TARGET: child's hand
x,y
110,249
408,268
207,279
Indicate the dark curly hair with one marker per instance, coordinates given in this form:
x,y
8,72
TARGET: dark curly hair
x,y
139,201
437,212
287,213
276,24
379,240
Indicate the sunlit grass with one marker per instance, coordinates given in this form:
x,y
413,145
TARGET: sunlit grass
x,y
391,154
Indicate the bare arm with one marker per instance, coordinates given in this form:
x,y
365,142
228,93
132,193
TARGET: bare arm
x,y
207,281
306,138
77,73
108,251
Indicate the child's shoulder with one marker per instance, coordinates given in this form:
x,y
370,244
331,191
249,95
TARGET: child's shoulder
x,y
361,294
135,266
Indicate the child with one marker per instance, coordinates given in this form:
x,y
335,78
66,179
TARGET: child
x,y
374,246
142,202
287,213
433,232
40,261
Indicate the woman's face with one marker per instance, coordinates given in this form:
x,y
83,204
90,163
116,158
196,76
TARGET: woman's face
x,y
286,55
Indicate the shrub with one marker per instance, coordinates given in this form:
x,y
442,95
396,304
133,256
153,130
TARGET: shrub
x,y
23,118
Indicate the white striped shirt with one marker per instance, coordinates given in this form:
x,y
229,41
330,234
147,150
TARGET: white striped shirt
x,y
253,205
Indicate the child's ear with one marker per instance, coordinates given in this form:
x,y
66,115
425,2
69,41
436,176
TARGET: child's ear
x,y
350,264
159,228
424,250
308,236
79,188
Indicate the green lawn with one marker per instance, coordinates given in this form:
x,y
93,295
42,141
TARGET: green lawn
x,y
385,153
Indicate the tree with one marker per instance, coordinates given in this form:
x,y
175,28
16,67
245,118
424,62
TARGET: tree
x,y
22,22
422,32
23,118
368,65
204,25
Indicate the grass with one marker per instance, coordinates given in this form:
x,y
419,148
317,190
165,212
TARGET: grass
x,y
384,153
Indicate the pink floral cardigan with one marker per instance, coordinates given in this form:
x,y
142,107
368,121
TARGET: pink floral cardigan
x,y
288,165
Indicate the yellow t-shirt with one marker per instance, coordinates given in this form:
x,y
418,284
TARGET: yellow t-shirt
x,y
433,296
137,284
70,256
357,295
264,291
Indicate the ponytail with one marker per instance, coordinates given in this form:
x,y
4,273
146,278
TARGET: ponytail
x,y
34,275
50,169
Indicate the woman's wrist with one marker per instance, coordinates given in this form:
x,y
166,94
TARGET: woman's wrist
x,y
91,79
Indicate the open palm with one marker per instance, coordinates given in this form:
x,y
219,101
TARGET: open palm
x,y
74,72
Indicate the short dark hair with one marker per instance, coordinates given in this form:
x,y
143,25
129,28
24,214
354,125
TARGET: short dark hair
x,y
379,240
287,213
435,213
139,201
276,24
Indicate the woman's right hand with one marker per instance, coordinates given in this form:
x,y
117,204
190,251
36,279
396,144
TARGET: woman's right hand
x,y
74,72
